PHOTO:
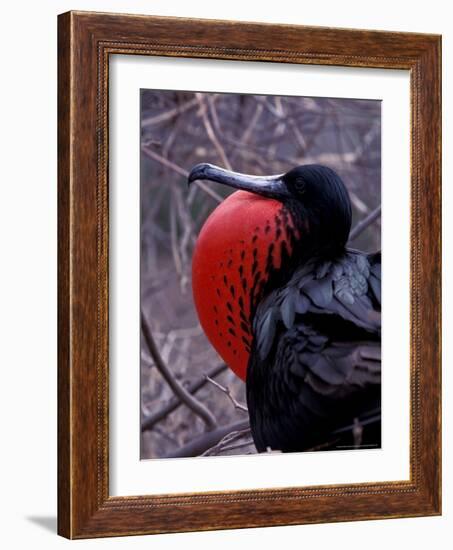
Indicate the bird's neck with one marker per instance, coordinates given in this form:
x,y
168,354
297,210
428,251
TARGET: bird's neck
x,y
306,240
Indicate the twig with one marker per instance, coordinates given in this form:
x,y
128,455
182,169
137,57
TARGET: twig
x,y
191,402
370,420
174,240
228,393
166,162
367,139
226,441
172,137
246,443
201,443
176,334
210,131
178,212
271,108
187,236
362,225
167,115
299,136
211,99
357,433
253,121
150,421
181,171
297,133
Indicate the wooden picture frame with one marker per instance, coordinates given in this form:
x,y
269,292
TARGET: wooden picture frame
x,y
85,41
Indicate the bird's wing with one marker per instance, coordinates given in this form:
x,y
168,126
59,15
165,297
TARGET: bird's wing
x,y
315,389
348,288
319,340
334,369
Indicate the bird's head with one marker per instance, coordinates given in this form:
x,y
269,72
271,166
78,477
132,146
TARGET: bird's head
x,y
254,240
314,195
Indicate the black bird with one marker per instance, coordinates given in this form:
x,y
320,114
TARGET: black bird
x,y
292,309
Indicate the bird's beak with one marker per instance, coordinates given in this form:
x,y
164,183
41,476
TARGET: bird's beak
x,y
268,186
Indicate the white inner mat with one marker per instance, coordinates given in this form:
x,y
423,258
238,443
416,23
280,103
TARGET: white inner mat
x,y
128,474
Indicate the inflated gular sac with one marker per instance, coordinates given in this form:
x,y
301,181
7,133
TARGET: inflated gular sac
x,y
240,244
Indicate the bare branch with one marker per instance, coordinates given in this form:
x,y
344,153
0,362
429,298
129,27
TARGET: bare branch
x,y
164,161
193,404
210,131
253,121
225,443
181,171
298,135
150,421
179,212
371,420
233,447
228,393
167,115
362,225
271,108
174,240
201,443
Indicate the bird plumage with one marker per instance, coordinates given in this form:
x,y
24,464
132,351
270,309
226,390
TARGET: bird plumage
x,y
313,325
315,365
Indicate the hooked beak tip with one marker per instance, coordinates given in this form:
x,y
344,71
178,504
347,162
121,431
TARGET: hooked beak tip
x,y
198,172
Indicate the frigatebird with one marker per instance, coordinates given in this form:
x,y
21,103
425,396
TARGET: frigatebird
x,y
291,309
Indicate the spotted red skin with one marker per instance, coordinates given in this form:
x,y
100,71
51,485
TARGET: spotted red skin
x,y
239,242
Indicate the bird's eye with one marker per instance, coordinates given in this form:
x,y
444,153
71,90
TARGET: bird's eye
x,y
299,185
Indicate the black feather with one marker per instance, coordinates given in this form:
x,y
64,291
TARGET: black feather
x,y
318,365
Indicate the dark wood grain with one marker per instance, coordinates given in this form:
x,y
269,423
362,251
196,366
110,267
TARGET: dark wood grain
x,y
64,368
85,42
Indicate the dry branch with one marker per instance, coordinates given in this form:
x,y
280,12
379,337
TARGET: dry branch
x,y
226,442
202,443
150,421
228,393
366,222
210,131
181,171
189,400
168,115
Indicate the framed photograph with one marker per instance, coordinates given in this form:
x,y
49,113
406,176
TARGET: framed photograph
x,y
231,353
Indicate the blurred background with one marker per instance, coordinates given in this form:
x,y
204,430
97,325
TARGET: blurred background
x,y
191,404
